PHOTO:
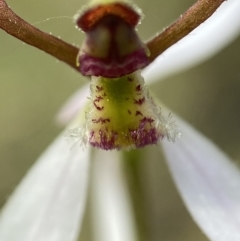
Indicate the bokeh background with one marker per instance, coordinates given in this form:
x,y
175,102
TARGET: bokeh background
x,y
34,86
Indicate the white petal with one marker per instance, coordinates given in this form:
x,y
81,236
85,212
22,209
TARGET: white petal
x,y
112,212
72,107
209,183
49,203
204,42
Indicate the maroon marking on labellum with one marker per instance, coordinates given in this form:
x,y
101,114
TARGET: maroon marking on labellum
x,y
144,121
130,79
107,140
138,88
139,101
98,98
99,88
142,137
92,16
101,120
129,112
138,113
97,106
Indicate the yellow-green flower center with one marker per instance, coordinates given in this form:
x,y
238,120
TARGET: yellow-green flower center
x,y
122,115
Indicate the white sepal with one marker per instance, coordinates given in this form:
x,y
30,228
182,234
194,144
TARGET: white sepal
x,y
208,182
49,203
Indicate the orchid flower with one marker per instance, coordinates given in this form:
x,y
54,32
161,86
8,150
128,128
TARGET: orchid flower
x,y
50,202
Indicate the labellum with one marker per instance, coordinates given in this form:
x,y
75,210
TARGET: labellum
x,y
121,115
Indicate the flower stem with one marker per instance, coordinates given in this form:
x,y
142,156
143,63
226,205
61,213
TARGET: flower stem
x,y
187,22
17,27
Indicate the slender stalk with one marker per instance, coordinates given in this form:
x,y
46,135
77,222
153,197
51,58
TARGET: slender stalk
x,y
17,27
191,19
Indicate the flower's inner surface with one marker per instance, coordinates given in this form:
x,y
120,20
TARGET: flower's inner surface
x,y
122,115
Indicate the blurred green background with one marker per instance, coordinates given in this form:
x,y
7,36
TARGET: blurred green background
x,y
34,85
